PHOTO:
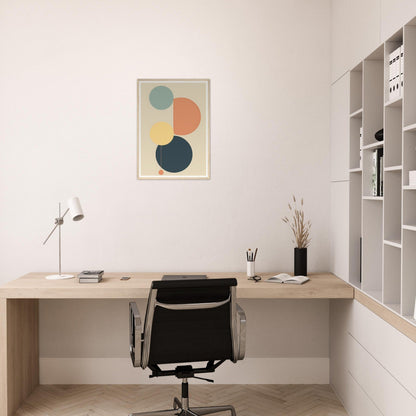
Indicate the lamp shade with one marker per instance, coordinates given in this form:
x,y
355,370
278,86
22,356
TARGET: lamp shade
x,y
75,209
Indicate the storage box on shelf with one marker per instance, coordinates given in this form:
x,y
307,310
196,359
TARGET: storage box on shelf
x,y
385,269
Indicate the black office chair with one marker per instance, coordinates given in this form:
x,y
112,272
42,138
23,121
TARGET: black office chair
x,y
188,321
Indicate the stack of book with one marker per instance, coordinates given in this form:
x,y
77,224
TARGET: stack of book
x,y
90,276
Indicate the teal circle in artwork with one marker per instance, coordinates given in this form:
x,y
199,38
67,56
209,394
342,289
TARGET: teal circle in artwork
x,y
161,97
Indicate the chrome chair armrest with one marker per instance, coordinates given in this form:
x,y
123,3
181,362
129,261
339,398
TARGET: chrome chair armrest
x,y
241,331
135,335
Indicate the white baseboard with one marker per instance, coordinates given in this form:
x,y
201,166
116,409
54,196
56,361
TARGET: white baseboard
x,y
249,371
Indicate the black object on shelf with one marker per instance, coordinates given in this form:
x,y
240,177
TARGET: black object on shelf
x,y
380,171
301,261
379,135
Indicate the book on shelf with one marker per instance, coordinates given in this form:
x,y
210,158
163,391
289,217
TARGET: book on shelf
x,y
377,162
287,278
380,155
361,147
374,173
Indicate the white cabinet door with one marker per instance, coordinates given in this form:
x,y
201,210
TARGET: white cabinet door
x,y
355,33
339,220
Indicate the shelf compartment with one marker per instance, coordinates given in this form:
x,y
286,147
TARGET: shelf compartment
x,y
409,208
393,136
372,247
392,205
356,89
409,42
355,209
409,155
368,155
375,145
392,275
373,100
408,292
393,168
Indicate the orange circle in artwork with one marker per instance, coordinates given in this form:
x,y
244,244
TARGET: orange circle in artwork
x,y
161,172
186,116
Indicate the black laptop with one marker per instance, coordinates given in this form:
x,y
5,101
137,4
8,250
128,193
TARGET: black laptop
x,y
184,276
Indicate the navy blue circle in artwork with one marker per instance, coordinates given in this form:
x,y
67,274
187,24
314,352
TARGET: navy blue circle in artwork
x,y
175,156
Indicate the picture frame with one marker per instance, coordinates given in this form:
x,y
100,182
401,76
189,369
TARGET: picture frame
x,y
173,129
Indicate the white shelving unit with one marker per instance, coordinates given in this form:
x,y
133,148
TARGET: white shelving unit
x,y
382,232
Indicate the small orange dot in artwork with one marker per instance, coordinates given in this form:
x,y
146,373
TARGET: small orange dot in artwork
x,y
161,172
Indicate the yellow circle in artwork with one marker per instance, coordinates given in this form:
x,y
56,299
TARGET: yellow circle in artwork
x,y
161,133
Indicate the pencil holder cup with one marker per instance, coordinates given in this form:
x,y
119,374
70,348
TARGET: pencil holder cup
x,y
251,269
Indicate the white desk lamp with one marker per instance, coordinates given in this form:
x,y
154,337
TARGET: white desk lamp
x,y
75,210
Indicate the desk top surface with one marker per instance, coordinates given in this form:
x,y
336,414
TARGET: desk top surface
x,y
35,286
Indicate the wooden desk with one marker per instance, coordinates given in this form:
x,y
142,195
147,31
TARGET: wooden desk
x,y
19,315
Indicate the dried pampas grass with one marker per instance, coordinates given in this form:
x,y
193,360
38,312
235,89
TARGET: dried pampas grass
x,y
300,228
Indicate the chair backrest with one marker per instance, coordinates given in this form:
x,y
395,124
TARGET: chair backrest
x,y
190,321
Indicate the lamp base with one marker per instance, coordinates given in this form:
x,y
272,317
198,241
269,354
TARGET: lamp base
x,y
59,276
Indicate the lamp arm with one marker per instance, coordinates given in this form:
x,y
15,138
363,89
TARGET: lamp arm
x,y
58,221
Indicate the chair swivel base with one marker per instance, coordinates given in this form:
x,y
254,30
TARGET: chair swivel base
x,y
180,409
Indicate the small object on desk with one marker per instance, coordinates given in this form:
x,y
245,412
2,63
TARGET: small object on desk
x,y
287,278
125,278
184,276
90,276
75,211
251,258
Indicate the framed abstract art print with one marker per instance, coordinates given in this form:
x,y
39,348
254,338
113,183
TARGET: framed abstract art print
x,y
173,129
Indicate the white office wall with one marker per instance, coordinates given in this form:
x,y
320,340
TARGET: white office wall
x,y
355,31
68,127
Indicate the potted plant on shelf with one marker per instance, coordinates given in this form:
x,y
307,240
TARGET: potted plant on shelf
x,y
301,235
